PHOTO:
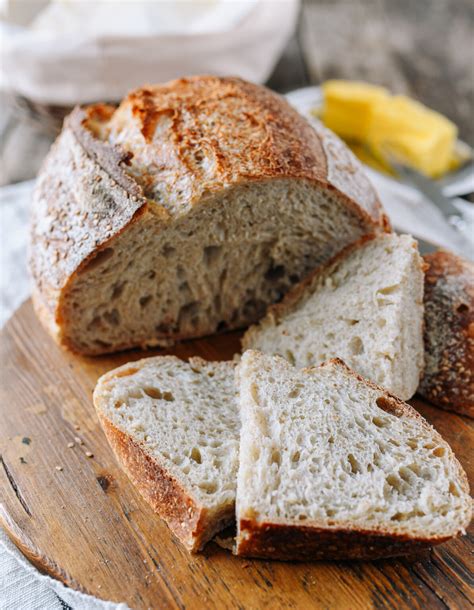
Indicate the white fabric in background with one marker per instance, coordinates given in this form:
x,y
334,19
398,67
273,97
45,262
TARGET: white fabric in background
x,y
21,585
75,52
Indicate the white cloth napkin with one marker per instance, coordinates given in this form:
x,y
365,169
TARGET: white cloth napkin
x,y
76,51
21,586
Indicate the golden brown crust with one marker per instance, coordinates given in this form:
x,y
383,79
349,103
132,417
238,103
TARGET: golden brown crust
x,y
242,131
281,539
448,381
185,517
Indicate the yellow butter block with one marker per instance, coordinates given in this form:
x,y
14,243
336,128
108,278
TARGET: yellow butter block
x,y
416,135
348,105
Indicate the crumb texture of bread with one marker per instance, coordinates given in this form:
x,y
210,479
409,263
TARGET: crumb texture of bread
x,y
448,379
174,427
186,211
365,307
334,466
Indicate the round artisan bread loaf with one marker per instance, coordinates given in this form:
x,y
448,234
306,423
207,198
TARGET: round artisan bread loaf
x,y
448,380
186,211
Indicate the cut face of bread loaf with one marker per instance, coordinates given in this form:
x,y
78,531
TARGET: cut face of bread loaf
x,y
174,428
332,466
187,211
448,379
365,307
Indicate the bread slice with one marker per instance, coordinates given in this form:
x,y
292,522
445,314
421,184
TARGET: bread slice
x,y
174,428
365,307
334,467
186,211
448,378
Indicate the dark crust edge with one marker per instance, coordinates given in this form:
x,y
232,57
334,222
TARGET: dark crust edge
x,y
184,516
439,387
312,542
286,541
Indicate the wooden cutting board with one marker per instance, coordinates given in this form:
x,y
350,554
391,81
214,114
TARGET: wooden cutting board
x,y
79,519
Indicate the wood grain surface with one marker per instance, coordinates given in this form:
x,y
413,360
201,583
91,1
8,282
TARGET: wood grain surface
x,y
67,505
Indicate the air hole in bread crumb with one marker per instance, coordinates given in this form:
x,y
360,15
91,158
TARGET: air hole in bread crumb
x,y
118,404
153,392
168,396
275,272
380,422
439,451
387,404
117,289
168,250
296,456
394,482
101,257
209,487
389,289
112,317
289,355
295,392
453,490
356,346
463,308
145,300
195,455
276,457
398,517
126,372
302,517
405,474
352,322
415,468
211,255
355,468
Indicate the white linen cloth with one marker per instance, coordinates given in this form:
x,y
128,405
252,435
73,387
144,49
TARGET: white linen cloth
x,y
21,586
75,51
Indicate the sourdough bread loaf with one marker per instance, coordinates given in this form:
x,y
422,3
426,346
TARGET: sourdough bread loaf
x,y
186,211
448,379
174,428
365,307
332,466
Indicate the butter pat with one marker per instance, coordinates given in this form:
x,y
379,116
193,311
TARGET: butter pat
x,y
377,123
416,135
348,107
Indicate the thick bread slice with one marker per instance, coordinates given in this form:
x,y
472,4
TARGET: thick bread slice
x,y
174,428
334,467
448,379
185,211
365,307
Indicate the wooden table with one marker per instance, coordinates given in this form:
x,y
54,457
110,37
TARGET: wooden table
x,y
420,47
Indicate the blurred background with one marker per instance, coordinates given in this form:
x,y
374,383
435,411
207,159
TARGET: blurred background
x,y
57,53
